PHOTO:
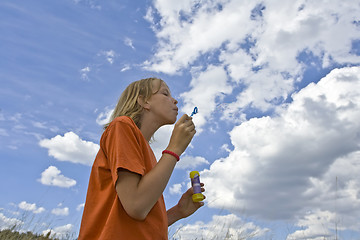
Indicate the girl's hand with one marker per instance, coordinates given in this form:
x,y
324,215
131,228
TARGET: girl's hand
x,y
186,206
182,135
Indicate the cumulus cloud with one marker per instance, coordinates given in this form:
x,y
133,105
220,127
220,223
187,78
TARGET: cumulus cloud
x,y
61,232
317,225
80,207
71,148
207,89
161,140
259,45
291,161
221,227
337,190
8,223
176,189
191,28
53,177
60,211
31,207
189,162
104,117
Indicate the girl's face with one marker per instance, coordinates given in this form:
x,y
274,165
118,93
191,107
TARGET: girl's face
x,y
162,105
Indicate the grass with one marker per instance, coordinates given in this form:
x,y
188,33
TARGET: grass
x,y
31,228
10,234
25,225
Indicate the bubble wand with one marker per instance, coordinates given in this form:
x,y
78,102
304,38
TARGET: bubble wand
x,y
195,111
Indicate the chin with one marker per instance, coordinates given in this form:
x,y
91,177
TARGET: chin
x,y
171,121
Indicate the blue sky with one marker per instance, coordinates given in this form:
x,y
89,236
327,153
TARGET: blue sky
x,y
277,87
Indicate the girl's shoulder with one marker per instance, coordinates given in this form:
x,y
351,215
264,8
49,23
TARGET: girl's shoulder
x,y
122,122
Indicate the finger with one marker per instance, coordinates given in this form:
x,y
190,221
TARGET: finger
x,y
184,118
190,128
193,132
189,123
202,187
200,204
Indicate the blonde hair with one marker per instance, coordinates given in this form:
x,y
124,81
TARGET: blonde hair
x,y
128,102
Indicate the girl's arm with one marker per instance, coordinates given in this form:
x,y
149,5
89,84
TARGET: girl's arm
x,y
138,194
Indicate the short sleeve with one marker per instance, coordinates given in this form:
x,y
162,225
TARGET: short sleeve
x,y
123,150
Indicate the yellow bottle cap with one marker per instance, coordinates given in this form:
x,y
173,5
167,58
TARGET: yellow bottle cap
x,y
197,197
194,174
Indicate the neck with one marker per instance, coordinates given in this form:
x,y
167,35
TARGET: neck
x,y
148,127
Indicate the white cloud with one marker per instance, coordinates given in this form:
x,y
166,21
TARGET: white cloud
x,y
52,177
31,207
125,68
337,192
316,225
191,28
71,148
259,45
150,17
8,223
225,147
189,162
43,125
128,42
221,227
104,117
62,232
161,140
109,55
207,88
176,189
290,161
84,73
80,207
60,211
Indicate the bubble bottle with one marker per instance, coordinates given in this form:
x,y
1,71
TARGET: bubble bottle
x,y
195,183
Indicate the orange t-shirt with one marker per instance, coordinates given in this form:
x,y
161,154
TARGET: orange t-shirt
x,y
122,146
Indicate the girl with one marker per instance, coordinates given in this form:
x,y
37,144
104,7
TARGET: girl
x,y
124,198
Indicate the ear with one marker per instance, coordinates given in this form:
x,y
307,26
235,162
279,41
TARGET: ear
x,y
141,101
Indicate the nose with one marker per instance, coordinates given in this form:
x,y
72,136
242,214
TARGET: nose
x,y
175,101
